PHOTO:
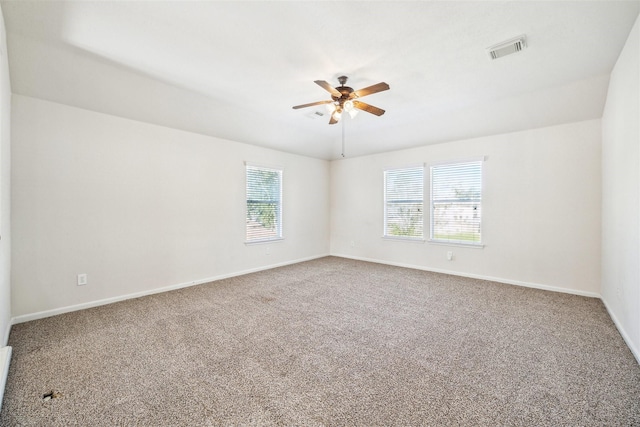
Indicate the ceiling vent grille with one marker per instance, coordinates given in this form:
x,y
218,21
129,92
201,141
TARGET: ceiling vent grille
x,y
315,114
508,47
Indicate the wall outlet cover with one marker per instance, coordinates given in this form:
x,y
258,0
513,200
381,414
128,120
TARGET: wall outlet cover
x,y
82,279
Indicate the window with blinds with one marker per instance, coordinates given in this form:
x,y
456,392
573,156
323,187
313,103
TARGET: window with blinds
x,y
264,203
404,202
456,202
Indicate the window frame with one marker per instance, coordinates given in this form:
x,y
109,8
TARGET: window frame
x,y
279,210
385,235
456,242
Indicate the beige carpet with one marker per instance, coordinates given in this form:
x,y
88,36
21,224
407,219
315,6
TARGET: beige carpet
x,y
327,342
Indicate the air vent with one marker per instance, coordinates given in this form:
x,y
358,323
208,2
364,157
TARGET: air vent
x,y
315,114
508,47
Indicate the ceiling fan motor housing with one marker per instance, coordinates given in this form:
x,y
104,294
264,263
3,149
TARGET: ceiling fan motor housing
x,y
345,91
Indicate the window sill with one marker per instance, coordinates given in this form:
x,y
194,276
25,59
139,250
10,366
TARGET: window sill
x,y
458,244
405,239
263,241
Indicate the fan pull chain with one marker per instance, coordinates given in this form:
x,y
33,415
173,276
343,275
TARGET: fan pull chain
x,y
343,120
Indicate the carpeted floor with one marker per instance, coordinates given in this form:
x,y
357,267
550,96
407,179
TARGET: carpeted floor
x,y
327,342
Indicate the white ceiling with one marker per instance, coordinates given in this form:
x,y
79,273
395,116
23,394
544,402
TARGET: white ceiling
x,y
234,69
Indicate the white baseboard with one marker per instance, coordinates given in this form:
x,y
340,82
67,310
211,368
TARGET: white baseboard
x,y
90,304
477,276
7,331
5,359
5,353
624,334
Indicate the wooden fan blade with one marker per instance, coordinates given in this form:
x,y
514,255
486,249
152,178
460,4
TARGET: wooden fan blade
x,y
368,108
333,120
326,86
370,90
312,104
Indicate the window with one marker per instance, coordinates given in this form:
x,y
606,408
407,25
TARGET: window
x,y
264,203
456,202
404,202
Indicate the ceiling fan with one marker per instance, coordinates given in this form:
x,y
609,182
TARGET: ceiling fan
x,y
344,98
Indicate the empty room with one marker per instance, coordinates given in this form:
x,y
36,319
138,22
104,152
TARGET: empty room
x,y
320,213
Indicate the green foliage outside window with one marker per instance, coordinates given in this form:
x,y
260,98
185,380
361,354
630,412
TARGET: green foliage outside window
x,y
263,203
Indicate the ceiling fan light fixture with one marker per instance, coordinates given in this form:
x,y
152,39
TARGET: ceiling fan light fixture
x,y
348,106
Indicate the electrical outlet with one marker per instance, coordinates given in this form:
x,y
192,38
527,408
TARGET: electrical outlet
x,y
82,279
353,243
268,250
450,255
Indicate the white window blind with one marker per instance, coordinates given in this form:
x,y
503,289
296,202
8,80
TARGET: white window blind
x,y
456,202
404,202
264,203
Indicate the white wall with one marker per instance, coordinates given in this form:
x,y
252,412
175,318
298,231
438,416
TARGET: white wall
x,y
621,193
5,189
541,209
139,207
